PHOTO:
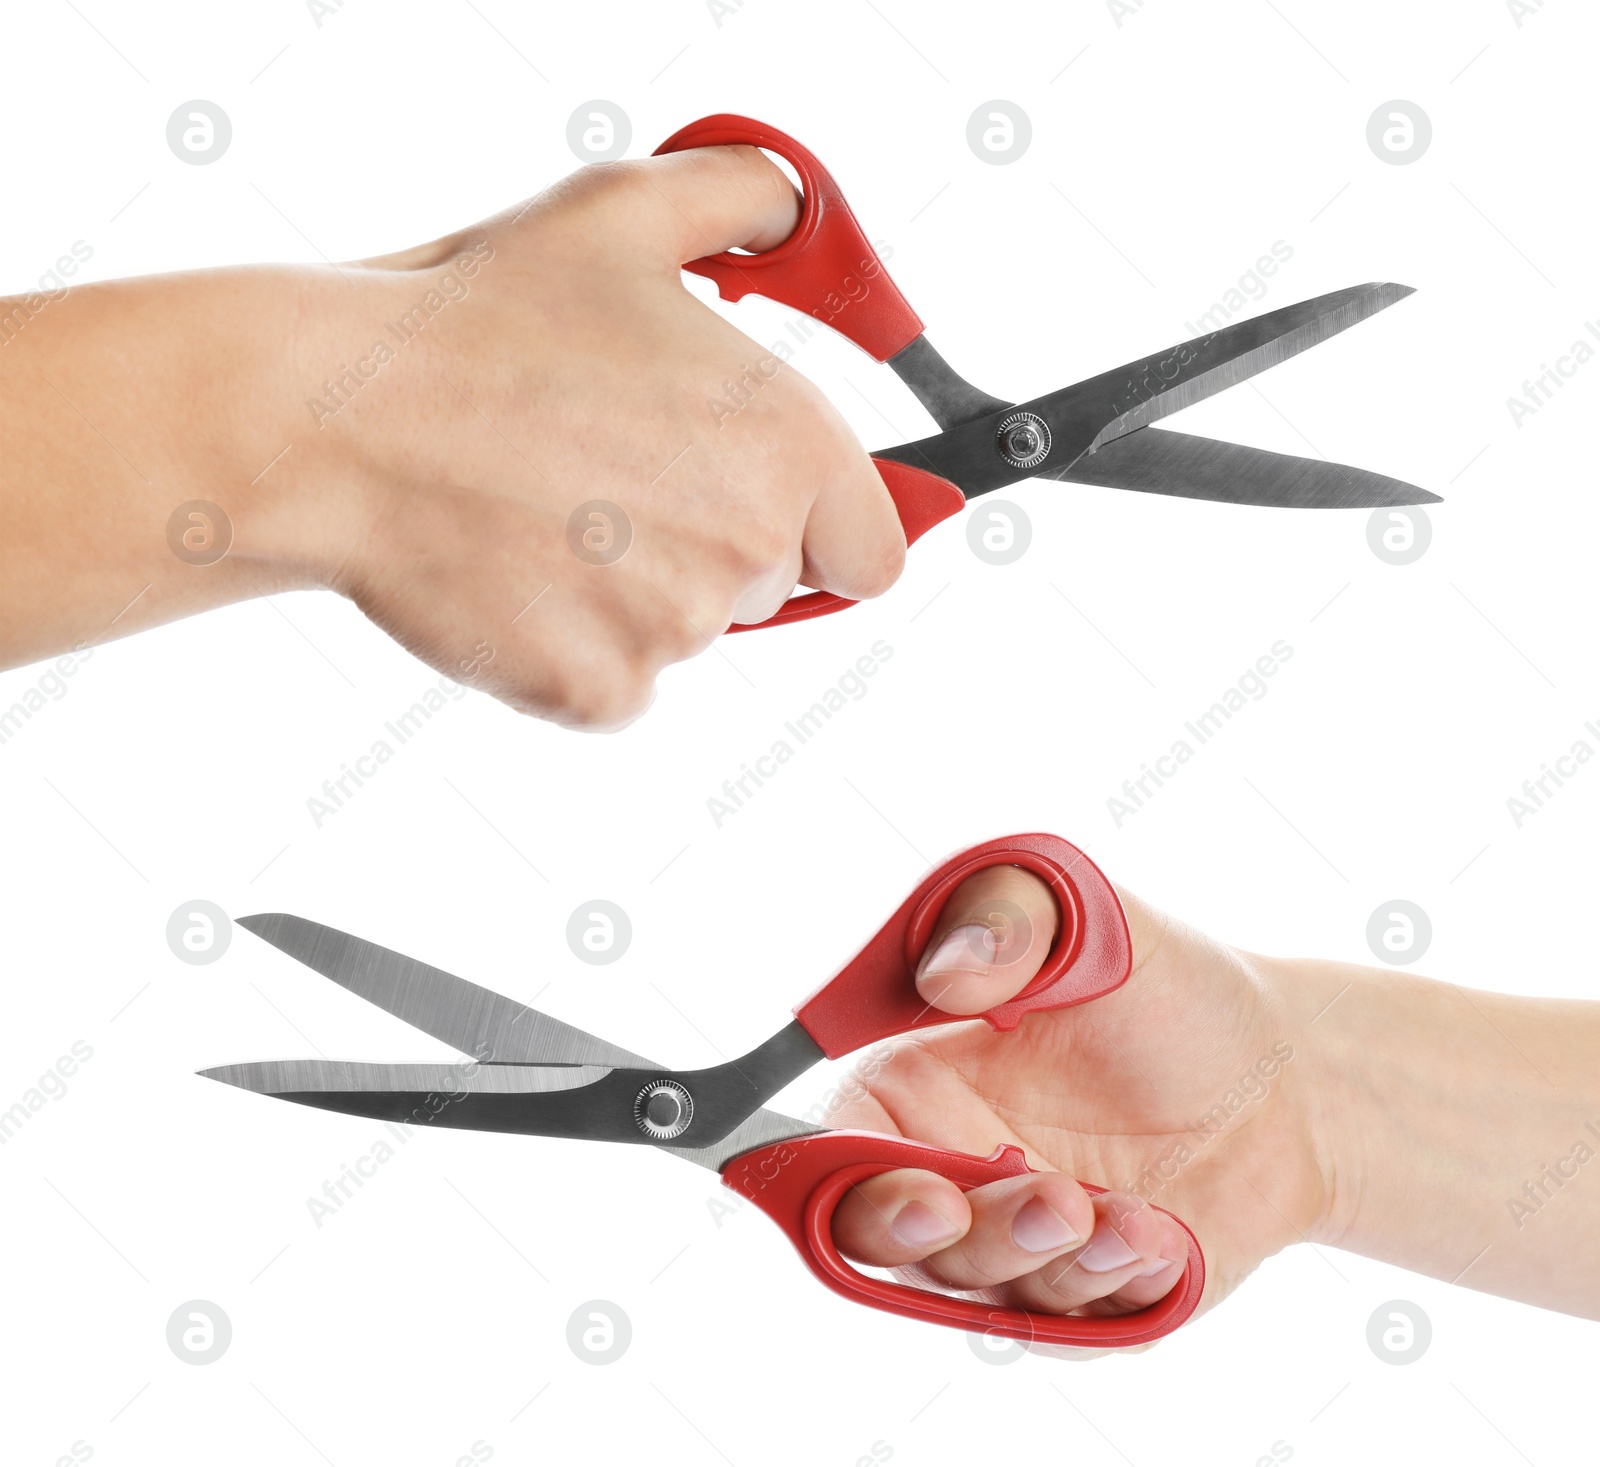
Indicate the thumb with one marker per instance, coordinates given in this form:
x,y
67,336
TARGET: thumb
x,y
687,205
992,938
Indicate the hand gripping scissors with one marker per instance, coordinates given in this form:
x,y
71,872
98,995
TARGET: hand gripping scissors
x,y
533,1075
1095,432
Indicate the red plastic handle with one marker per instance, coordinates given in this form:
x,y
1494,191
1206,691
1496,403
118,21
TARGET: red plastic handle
x,y
922,500
826,267
874,995
799,1184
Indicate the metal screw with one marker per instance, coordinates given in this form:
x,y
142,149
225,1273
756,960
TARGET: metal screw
x,y
663,1110
1024,440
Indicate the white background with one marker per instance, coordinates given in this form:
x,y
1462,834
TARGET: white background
x,y
1168,153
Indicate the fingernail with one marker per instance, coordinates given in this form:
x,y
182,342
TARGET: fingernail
x,y
918,1226
1039,1228
1161,1265
1105,1251
968,949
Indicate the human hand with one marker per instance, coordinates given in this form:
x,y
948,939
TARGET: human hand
x,y
575,368
1175,1089
1264,1101
420,432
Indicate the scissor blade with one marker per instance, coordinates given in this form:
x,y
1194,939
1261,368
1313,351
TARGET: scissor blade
x,y
1118,402
287,1078
475,1020
1159,461
552,1079
574,1102
1141,392
761,1129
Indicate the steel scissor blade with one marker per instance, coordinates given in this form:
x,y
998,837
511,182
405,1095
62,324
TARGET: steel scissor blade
x,y
1116,403
475,1020
574,1102
1159,461
286,1078
540,1076
1141,392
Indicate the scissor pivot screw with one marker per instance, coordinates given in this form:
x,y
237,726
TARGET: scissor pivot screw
x,y
663,1110
1024,440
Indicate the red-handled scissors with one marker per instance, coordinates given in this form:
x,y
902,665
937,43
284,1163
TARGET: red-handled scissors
x,y
1095,432
534,1075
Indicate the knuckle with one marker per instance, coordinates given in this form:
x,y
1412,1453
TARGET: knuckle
x,y
763,547
883,544
687,626
881,565
689,633
604,181
598,694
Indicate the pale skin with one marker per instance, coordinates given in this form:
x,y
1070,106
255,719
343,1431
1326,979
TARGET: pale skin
x,y
1441,1129
1397,1117
562,361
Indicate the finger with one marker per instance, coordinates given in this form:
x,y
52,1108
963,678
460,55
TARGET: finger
x,y
900,1217
1018,1225
683,206
854,544
1155,1282
851,541
992,938
1126,1244
696,203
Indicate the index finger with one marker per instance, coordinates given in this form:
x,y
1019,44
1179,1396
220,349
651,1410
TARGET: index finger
x,y
991,940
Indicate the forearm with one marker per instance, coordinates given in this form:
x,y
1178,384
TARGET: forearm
x,y
121,402
1458,1131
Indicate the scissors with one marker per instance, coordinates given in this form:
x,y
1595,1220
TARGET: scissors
x,y
1094,432
533,1075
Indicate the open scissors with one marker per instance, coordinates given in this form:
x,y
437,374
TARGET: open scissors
x,y
534,1075
1094,432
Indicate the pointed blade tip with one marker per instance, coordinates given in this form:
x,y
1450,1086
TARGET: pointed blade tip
x,y
219,1073
244,1077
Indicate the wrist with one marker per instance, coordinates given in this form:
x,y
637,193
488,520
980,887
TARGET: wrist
x,y
300,465
364,386
1298,1171
1338,1116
